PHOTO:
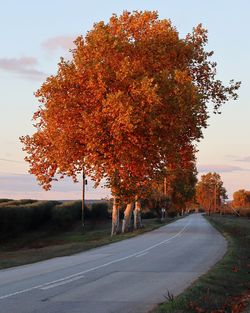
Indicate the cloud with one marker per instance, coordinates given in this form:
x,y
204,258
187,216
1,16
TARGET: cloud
x,y
19,186
230,156
244,159
219,168
24,66
11,161
60,42
237,158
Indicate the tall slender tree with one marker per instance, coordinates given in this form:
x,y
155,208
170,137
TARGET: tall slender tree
x,y
210,192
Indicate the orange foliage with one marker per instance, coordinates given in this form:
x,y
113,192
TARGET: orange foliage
x,y
210,192
241,199
235,304
133,99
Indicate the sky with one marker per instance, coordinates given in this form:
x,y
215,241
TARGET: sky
x,y
33,36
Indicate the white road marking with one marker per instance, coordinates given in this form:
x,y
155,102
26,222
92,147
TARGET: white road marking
x,y
64,282
142,254
97,267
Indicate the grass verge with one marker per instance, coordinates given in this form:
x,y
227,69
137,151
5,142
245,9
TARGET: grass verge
x,y
226,287
46,243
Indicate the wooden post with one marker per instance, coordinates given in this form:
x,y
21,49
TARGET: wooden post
x,y
215,200
83,197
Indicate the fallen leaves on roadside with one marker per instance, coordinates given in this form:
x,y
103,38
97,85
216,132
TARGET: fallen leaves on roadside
x,y
235,269
234,304
197,309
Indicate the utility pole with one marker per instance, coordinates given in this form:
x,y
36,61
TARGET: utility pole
x,y
165,196
83,196
215,198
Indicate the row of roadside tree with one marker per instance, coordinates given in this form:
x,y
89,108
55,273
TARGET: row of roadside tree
x,y
180,193
128,109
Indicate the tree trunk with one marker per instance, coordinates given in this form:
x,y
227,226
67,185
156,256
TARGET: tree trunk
x,y
127,217
137,214
115,217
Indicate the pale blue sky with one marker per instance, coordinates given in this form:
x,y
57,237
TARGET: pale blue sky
x,y
34,34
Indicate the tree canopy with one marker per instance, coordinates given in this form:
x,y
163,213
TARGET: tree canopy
x,y
241,199
210,192
132,100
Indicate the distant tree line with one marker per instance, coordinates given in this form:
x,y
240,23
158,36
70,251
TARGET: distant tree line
x,y
212,197
241,199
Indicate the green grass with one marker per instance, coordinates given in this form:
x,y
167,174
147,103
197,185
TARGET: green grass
x,y
226,287
46,242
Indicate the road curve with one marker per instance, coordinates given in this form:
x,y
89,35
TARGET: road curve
x,y
129,276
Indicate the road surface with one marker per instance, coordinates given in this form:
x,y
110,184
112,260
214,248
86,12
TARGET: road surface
x,y
129,276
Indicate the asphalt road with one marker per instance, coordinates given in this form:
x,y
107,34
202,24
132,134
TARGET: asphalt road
x,y
128,276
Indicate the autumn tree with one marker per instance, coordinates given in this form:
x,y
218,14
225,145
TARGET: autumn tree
x,y
241,199
180,180
210,192
133,97
182,189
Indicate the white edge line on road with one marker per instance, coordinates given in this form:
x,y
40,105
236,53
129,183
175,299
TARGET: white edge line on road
x,y
62,282
142,254
97,267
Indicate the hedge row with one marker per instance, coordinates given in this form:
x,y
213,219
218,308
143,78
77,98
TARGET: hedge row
x,y
5,200
23,217
65,214
8,202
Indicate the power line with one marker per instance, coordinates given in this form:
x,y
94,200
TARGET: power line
x,y
11,174
12,161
